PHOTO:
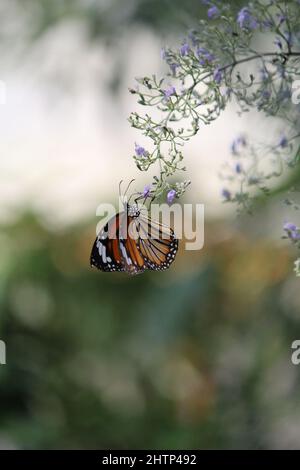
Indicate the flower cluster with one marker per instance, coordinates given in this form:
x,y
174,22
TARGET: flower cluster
x,y
209,70
217,63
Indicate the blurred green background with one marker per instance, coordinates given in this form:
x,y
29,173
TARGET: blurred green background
x,y
196,357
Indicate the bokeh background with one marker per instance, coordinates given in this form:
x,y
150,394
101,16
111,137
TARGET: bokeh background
x,y
195,357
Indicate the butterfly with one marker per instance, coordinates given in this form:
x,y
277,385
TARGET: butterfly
x,y
133,243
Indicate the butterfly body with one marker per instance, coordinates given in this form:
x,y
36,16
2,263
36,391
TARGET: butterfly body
x,y
133,243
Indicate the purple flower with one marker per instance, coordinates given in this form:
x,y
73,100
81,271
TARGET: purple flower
x,y
281,19
295,235
226,194
238,168
163,53
266,94
283,143
243,16
267,23
226,91
185,49
204,55
240,141
202,50
170,92
147,190
289,227
217,75
213,12
246,20
193,38
233,148
292,231
278,43
140,151
174,67
171,196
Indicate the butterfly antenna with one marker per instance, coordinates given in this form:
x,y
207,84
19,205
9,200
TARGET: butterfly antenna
x,y
131,196
130,182
120,184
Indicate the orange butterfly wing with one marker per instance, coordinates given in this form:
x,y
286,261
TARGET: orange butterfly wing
x,y
133,245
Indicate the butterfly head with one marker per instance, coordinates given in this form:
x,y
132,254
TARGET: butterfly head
x,y
133,210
